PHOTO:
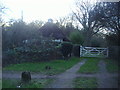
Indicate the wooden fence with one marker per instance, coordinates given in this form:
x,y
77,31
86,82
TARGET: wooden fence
x,y
93,52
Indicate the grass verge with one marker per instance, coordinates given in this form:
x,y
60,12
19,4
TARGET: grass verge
x,y
0,83
85,82
57,66
111,65
8,83
91,66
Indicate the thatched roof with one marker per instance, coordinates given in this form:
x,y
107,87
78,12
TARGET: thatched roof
x,y
52,30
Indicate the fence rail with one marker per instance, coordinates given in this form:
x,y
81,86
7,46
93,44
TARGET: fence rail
x,y
93,52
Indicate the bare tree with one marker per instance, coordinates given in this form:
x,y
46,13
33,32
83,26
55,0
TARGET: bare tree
x,y
87,14
63,21
2,8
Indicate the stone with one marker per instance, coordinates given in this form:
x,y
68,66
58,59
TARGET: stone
x,y
26,77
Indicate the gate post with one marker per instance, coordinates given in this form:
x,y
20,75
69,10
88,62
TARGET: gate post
x,y
107,51
80,51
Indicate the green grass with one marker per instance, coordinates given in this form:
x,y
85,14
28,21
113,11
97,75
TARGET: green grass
x,y
111,65
57,66
91,66
0,83
8,83
85,82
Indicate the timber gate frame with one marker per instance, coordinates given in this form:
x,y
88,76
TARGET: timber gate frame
x,y
93,52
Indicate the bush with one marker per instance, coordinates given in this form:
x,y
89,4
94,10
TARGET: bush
x,y
114,52
46,50
66,48
76,37
112,40
98,41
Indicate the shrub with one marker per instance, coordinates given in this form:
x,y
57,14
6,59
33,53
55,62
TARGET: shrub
x,y
114,52
98,41
112,40
66,49
46,50
76,37
9,57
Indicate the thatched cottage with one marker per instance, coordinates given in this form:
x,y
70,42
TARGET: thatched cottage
x,y
52,30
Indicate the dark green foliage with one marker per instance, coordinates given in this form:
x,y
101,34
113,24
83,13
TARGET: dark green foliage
x,y
76,50
9,57
41,50
76,37
112,40
114,47
114,52
66,48
98,41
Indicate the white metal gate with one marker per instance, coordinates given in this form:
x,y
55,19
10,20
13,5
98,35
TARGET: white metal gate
x,y
93,52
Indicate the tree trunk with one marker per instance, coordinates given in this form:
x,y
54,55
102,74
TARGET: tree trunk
x,y
26,77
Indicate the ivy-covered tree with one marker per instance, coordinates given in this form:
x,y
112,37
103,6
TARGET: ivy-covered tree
x,y
66,49
110,14
18,31
87,14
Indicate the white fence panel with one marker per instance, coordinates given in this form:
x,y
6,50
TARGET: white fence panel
x,y
93,52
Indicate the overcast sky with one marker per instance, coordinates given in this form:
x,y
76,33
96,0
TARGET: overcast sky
x,y
37,9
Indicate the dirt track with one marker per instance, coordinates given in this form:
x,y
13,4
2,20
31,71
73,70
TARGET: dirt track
x,y
64,80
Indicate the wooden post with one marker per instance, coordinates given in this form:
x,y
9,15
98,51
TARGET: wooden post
x,y
107,51
80,51
26,77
